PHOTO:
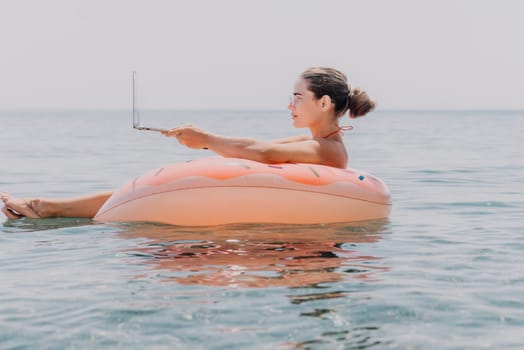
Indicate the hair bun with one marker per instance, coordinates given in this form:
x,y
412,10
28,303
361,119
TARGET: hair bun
x,y
360,103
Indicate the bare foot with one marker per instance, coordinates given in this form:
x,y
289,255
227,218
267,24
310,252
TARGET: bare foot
x,y
18,208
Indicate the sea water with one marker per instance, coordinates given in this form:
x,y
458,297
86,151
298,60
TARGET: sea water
x,y
444,271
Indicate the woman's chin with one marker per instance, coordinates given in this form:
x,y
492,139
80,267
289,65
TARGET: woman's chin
x,y
297,124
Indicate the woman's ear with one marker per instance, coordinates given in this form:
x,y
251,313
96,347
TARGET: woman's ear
x,y
325,102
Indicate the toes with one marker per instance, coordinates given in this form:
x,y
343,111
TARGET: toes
x,y
4,197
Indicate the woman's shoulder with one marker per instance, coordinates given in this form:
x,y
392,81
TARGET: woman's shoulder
x,y
333,152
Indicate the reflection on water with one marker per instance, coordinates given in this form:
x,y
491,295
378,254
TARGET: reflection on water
x,y
294,278
252,255
259,256
32,225
310,261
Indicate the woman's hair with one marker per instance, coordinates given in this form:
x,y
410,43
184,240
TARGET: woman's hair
x,y
333,83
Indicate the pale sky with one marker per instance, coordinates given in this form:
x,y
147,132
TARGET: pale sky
x,y
246,54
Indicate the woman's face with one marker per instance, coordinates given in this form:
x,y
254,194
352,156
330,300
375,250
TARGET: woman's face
x,y
304,107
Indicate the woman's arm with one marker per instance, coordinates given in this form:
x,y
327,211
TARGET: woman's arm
x,y
267,152
300,150
293,139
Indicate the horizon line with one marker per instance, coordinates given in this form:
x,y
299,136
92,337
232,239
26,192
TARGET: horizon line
x,y
9,110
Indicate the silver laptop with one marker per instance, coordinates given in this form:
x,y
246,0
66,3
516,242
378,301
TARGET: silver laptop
x,y
136,115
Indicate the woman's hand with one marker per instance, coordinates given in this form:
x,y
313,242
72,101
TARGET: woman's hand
x,y
189,136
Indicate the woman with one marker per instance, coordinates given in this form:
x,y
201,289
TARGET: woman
x,y
321,96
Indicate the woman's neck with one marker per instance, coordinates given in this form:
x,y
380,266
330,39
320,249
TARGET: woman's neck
x,y
325,131
336,131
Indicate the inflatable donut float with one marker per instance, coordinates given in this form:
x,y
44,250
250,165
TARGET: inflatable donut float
x,y
216,191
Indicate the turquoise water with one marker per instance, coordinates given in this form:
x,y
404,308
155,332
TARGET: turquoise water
x,y
444,271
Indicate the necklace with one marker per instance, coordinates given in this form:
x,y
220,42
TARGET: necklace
x,y
339,129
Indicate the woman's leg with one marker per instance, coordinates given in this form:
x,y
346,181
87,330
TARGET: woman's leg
x,y
77,207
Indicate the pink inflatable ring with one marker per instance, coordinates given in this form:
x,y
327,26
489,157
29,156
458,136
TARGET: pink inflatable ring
x,y
216,191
